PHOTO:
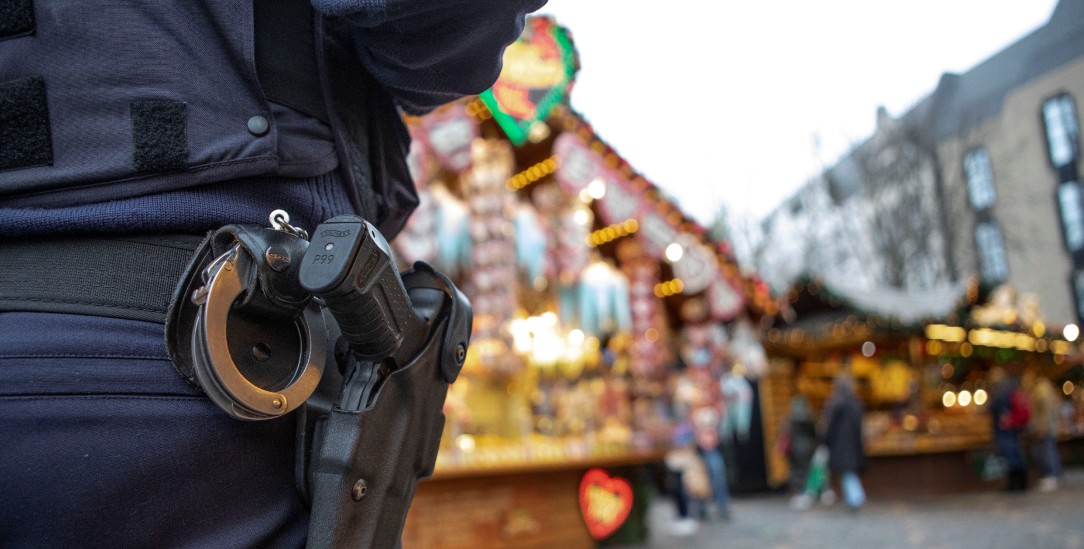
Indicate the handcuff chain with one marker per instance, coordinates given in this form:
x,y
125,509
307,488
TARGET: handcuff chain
x,y
280,221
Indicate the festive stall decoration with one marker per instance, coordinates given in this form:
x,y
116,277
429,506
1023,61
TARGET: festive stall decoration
x,y
419,157
448,133
438,232
584,171
597,301
493,278
747,351
578,166
658,234
419,235
572,255
605,502
724,300
537,75
648,346
738,400
452,231
697,267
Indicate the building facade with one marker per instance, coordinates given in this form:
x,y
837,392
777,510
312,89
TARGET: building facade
x,y
981,177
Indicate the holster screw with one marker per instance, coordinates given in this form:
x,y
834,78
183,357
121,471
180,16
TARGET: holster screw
x,y
277,258
359,489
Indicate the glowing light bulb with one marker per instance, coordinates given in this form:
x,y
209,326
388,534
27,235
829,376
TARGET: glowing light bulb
x,y
964,398
980,397
576,337
948,399
674,252
1071,332
868,349
596,188
581,217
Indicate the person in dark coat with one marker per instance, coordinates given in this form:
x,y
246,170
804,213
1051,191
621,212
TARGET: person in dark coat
x,y
1010,414
801,436
843,436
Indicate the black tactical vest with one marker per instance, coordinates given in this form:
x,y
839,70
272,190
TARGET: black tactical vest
x,y
101,100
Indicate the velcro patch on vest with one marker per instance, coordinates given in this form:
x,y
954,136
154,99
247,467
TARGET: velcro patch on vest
x,y
25,140
16,18
159,135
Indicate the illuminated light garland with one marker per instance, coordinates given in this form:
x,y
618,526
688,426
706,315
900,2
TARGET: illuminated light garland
x,y
532,174
669,288
955,334
989,337
613,232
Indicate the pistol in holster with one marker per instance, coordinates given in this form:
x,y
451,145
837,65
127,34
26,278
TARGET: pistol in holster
x,y
268,321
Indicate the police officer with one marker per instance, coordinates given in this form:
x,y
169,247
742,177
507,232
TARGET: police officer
x,y
127,131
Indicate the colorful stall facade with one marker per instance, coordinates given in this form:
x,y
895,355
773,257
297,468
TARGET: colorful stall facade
x,y
589,289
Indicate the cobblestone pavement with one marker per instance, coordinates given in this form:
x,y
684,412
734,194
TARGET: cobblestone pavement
x,y
981,520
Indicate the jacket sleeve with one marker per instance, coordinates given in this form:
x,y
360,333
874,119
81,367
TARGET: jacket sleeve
x,y
429,52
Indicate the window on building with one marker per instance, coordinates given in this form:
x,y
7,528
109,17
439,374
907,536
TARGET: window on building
x,y
1072,214
1078,293
991,252
1062,132
980,179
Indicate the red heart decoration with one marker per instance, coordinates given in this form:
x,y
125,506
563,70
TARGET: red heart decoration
x,y
605,502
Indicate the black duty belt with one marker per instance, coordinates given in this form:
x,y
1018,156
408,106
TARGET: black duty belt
x,y
327,329
130,277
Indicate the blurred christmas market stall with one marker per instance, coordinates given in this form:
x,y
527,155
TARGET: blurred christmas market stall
x,y
920,363
587,283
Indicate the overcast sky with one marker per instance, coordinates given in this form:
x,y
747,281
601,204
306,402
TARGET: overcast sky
x,y
722,102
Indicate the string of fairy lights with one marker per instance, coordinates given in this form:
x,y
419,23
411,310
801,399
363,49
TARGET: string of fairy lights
x,y
533,174
613,232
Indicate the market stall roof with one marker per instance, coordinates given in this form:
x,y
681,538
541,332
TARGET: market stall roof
x,y
660,219
819,313
905,307
810,296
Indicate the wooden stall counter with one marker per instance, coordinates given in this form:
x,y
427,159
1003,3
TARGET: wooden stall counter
x,y
526,505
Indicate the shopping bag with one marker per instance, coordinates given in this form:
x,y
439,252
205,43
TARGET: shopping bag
x,y
990,466
818,471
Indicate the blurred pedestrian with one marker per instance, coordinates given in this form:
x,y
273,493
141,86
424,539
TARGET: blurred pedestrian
x,y
706,421
1045,407
798,442
843,437
1010,414
687,479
